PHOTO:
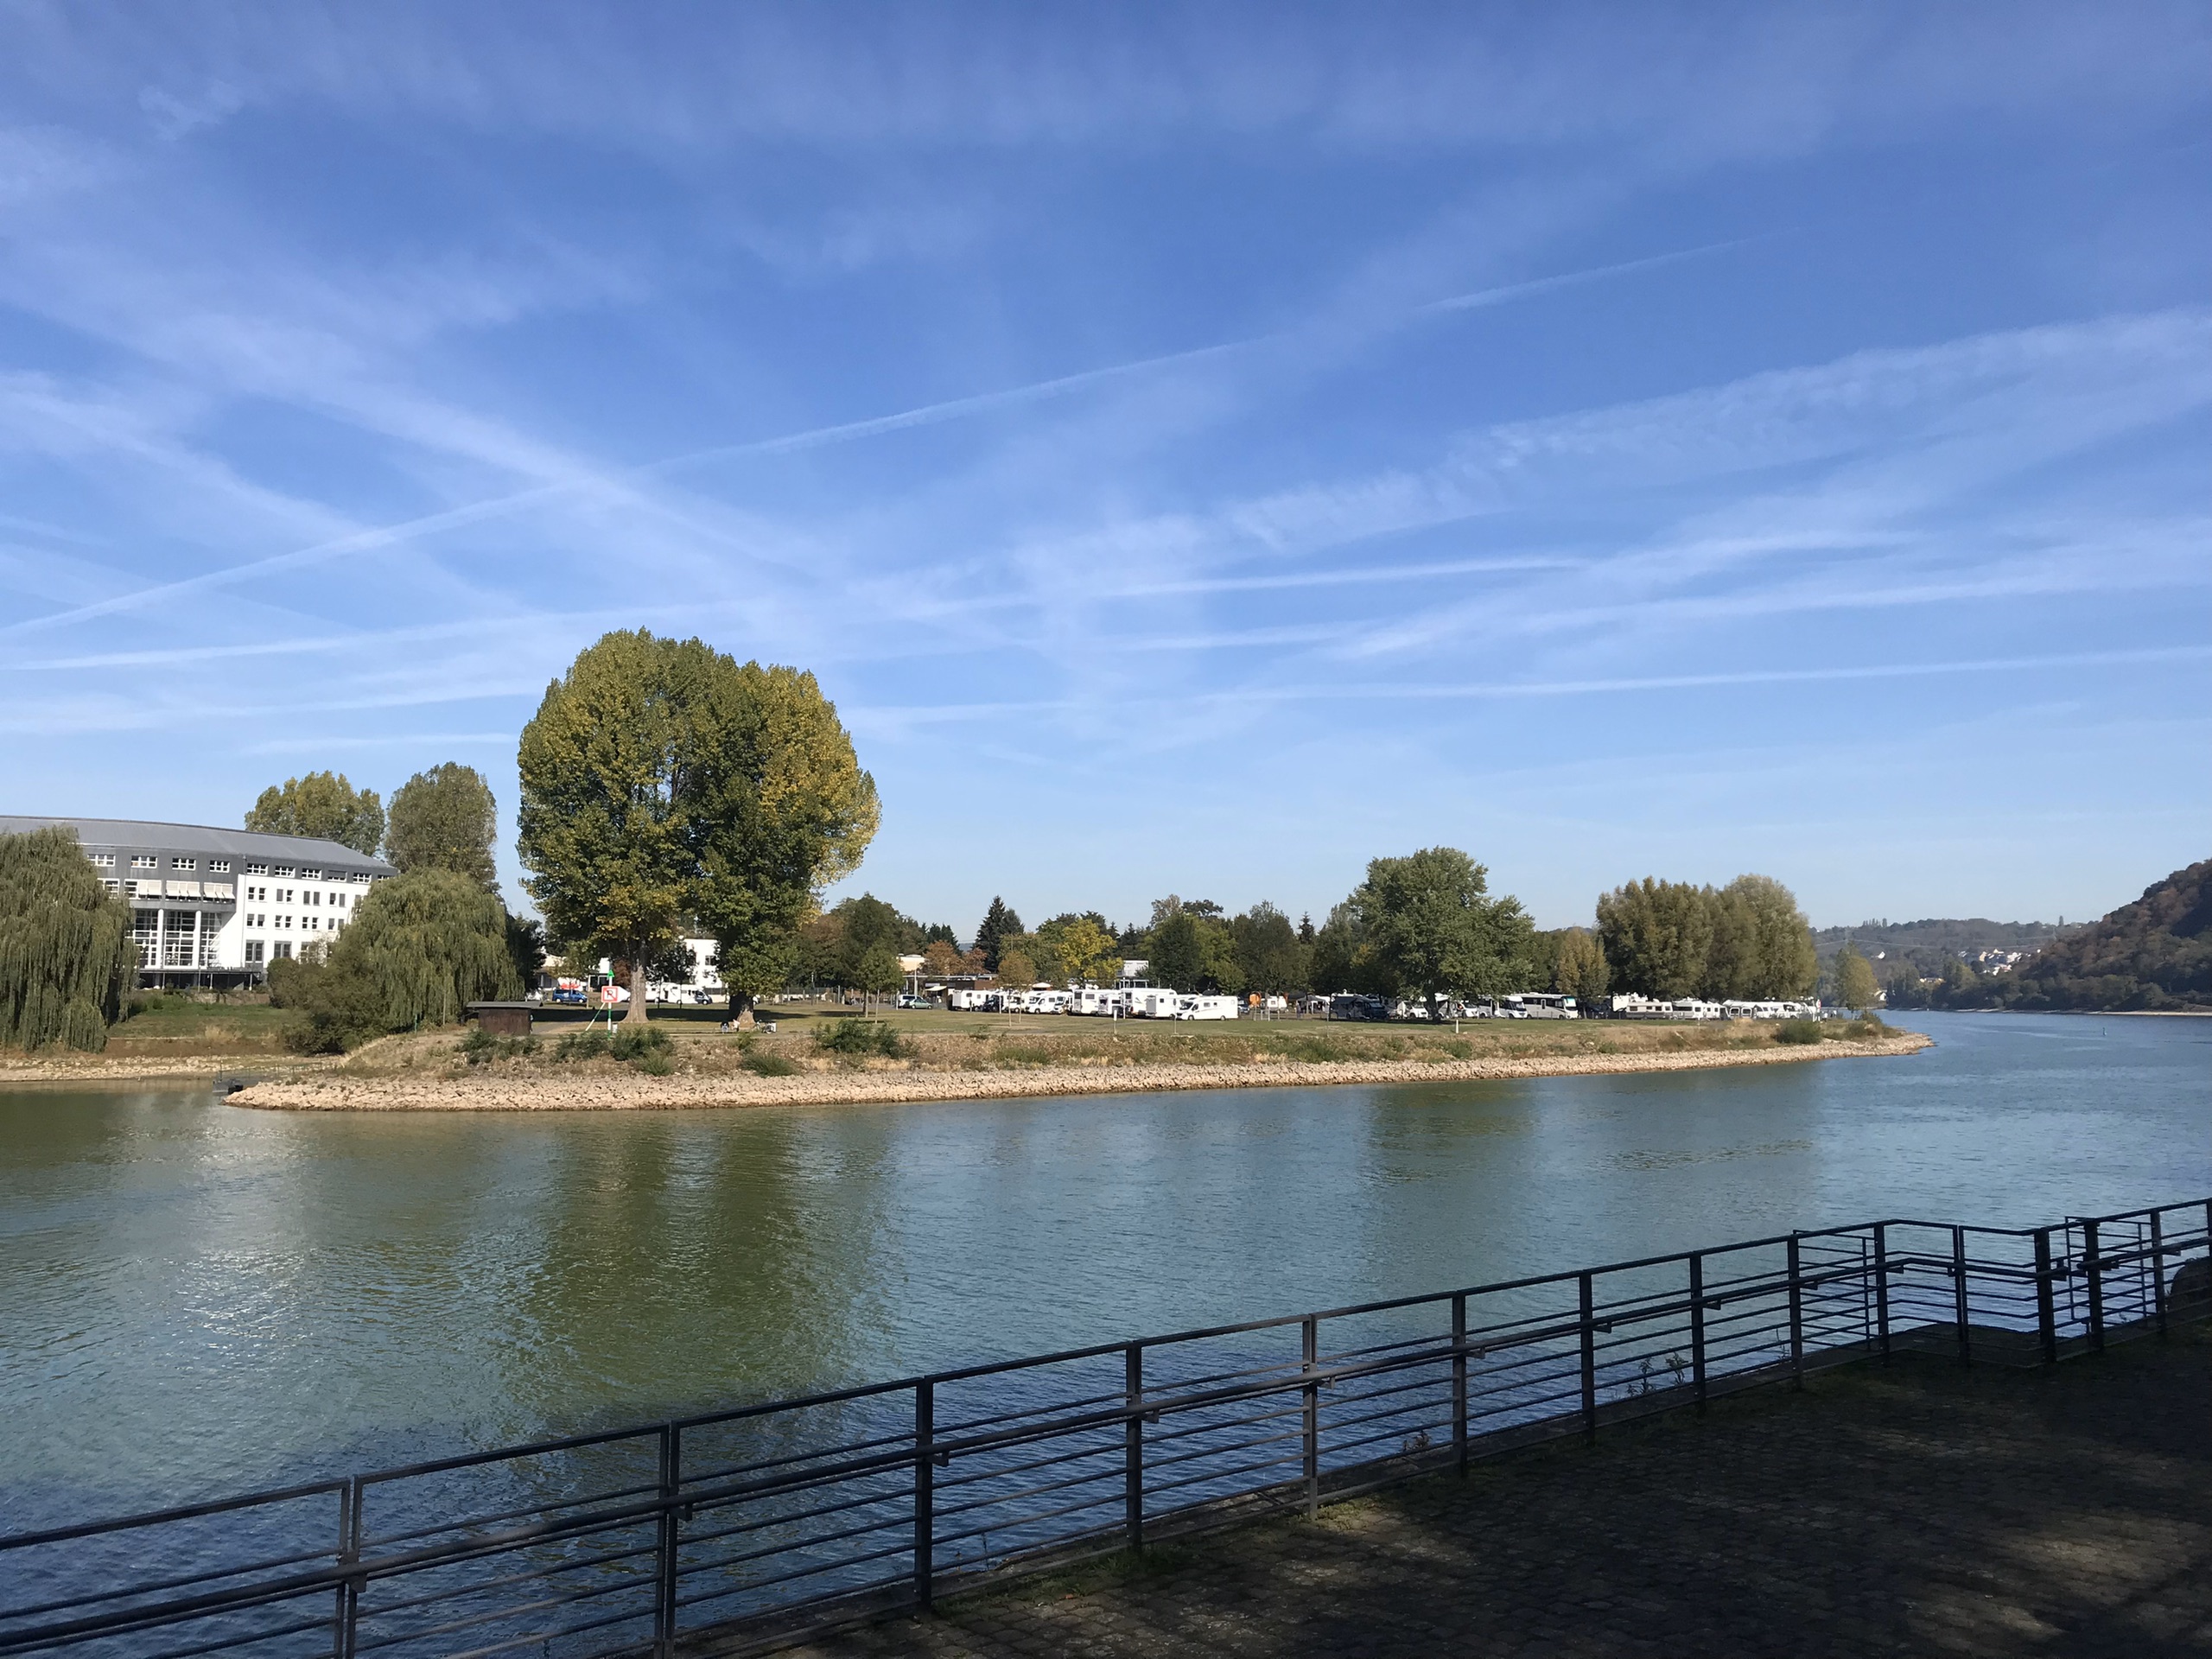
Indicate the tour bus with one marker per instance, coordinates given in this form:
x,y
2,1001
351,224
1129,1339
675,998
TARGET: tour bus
x,y
1539,1005
1206,1008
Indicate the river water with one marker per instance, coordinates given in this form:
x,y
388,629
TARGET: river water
x,y
195,1297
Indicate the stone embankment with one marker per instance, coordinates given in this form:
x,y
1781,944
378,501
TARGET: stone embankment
x,y
607,1088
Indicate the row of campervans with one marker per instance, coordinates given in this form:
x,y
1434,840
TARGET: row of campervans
x,y
1632,1006
1115,1003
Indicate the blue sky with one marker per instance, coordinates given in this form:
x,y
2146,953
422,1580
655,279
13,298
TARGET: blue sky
x,y
1199,449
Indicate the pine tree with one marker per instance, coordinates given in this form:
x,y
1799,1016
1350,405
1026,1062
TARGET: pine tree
x,y
998,923
65,951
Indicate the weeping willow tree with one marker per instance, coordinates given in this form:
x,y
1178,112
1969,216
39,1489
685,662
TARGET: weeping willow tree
x,y
421,948
66,951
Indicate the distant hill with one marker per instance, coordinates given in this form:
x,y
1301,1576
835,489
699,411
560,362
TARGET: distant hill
x,y
1946,936
2155,953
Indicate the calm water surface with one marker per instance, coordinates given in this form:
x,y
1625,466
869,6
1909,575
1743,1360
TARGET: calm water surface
x,y
197,1296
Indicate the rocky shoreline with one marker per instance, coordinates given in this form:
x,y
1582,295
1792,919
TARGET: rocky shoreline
x,y
622,1090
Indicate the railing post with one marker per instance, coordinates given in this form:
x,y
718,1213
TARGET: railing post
x,y
1459,1381
345,1614
924,1491
1697,1327
1882,1288
2159,1271
2095,1269
1958,1294
1310,1345
1796,1318
1132,1446
671,1479
2046,1312
1589,1360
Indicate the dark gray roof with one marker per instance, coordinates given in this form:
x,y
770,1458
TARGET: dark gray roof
x,y
205,838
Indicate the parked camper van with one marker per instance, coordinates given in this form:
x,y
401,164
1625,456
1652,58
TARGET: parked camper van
x,y
1152,1003
1206,1008
1541,1004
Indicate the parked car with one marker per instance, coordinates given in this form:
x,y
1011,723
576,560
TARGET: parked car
x,y
561,993
916,1003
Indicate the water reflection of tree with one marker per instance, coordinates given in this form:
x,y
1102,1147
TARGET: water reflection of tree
x,y
686,1263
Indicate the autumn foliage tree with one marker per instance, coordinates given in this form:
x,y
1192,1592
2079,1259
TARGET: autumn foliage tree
x,y
324,806
663,780
445,819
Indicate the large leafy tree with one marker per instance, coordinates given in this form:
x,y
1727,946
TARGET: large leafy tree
x,y
323,805
663,780
1762,945
445,819
1579,966
1434,929
1083,948
1854,980
1657,936
65,952
1269,957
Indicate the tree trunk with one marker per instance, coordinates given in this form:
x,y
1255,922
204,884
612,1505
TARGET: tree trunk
x,y
636,1016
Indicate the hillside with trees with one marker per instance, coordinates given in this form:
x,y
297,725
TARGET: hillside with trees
x,y
2154,953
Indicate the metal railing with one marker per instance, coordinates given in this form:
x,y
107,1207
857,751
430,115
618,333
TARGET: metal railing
x,y
745,1528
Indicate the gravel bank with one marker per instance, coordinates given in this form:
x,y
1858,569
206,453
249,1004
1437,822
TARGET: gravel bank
x,y
617,1090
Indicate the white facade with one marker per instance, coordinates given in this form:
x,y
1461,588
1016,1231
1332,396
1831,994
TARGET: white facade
x,y
209,904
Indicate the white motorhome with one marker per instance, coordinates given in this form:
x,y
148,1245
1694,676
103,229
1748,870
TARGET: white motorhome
x,y
1206,1008
1104,1004
1691,1007
1152,1003
1541,1004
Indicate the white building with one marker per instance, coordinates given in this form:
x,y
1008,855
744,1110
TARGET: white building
x,y
215,907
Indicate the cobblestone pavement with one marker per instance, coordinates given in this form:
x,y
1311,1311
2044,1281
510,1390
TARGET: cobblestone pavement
x,y
1923,1509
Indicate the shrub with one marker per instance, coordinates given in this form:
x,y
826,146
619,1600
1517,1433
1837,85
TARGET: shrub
x,y
648,1050
762,1063
589,1044
481,1047
1798,1031
636,1044
1866,1029
339,1007
859,1039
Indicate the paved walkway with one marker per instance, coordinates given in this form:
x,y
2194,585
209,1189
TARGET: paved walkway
x,y
1921,1510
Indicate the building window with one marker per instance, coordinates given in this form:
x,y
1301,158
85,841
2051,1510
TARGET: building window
x,y
284,869
102,861
257,869
284,895
184,863
112,886
220,866
285,950
310,875
255,951
339,900
144,862
178,930
145,933
310,923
